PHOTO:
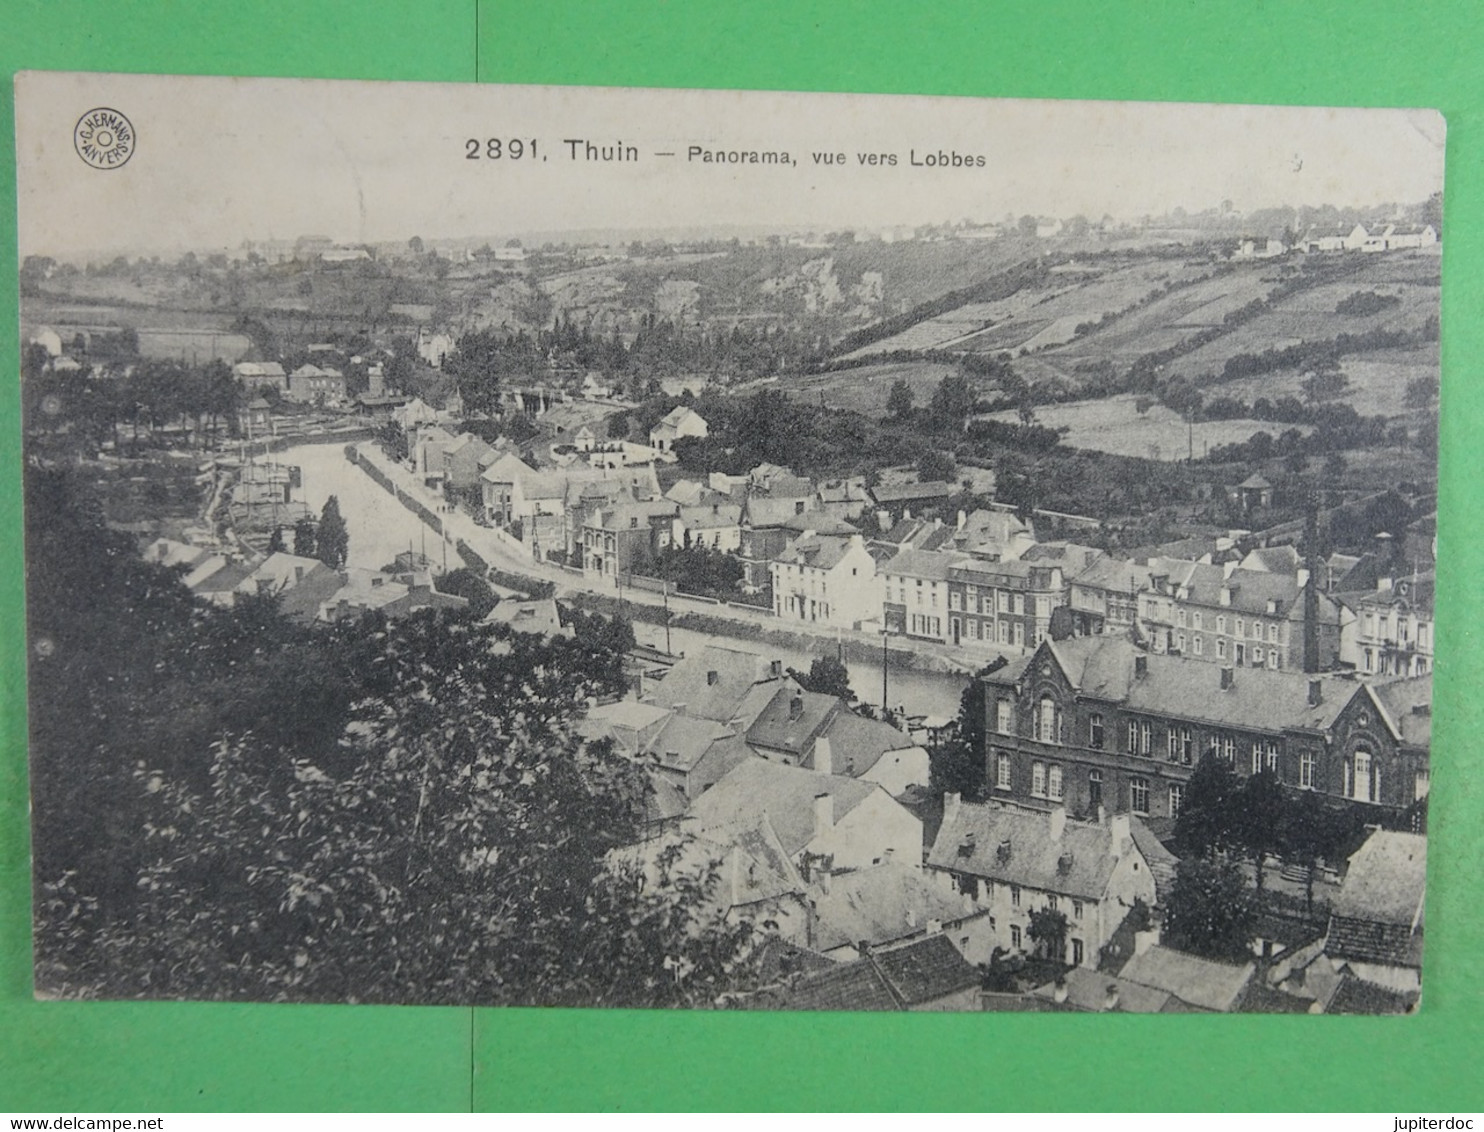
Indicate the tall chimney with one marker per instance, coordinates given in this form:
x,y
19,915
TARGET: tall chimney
x,y
951,801
1311,591
1141,665
824,815
1058,822
823,756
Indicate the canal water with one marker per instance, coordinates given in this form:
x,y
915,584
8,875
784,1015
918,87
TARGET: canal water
x,y
921,693
380,528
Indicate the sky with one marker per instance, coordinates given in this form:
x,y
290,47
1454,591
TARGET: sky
x,y
221,160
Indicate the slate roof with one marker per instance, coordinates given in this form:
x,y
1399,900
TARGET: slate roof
x,y
527,616
1259,699
925,970
1275,559
1162,863
929,565
879,905
820,522
1384,881
751,865
706,516
771,511
1203,983
776,728
821,552
1408,704
1078,864
1122,575
1087,991
849,986
1356,996
859,743
230,577
785,794
912,492
743,682
683,740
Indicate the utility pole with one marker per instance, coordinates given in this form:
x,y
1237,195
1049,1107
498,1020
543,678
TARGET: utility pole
x,y
668,649
885,711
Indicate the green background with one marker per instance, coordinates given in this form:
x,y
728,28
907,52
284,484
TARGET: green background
x,y
59,1057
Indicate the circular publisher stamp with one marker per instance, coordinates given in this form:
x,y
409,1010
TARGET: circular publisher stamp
x,y
104,138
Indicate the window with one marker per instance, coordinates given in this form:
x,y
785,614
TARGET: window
x,y
1221,648
953,599
1272,634
1015,896
1273,659
1420,784
1182,747
1177,798
1228,748
1038,779
1195,621
1221,624
1004,717
1138,795
1015,936
1076,909
1095,731
1256,656
1002,772
1053,783
1180,641
1199,646
1361,777
1095,787
1046,714
1306,768
1180,619
1237,627
1145,738
1077,953
1004,601
1051,901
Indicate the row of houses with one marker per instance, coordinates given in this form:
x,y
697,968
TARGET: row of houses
x,y
1379,236
306,589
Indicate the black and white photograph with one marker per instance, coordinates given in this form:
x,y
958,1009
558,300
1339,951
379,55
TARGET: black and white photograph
x,y
593,547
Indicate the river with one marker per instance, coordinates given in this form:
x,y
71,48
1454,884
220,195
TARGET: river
x,y
921,693
380,527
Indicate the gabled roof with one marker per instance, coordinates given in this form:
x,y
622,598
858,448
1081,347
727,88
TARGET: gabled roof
x,y
1203,983
683,741
857,744
709,516
1254,482
972,840
881,904
1408,706
750,864
1096,992
912,492
926,970
1385,881
785,794
820,552
929,565
722,684
527,616
778,728
1356,996
1259,699
1120,575
848,986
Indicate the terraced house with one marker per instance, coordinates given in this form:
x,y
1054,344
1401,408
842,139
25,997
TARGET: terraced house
x,y
1003,603
1095,721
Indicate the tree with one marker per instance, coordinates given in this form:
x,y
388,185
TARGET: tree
x,y
1257,818
936,465
275,541
304,537
827,676
956,762
1205,824
1303,838
952,403
1210,912
1048,931
1324,383
332,541
465,583
1421,392
899,401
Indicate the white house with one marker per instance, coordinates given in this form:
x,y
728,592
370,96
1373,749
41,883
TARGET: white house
x,y
827,580
1013,861
679,422
846,823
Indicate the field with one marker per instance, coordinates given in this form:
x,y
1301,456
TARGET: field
x,y
1116,426
1378,381
865,389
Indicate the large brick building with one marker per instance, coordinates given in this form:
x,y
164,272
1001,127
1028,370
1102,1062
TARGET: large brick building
x,y
1095,721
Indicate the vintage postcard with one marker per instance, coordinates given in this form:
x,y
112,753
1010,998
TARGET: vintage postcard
x,y
521,545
